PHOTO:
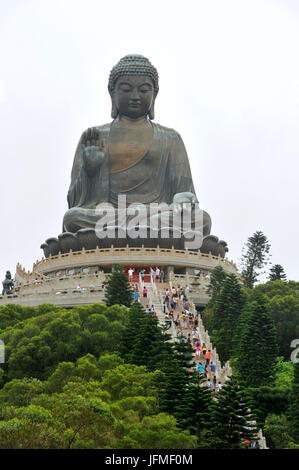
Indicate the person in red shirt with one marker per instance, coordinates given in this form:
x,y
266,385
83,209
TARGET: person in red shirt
x,y
208,357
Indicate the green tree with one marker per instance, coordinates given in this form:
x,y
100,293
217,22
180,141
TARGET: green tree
x,y
258,346
232,422
118,288
177,378
276,431
294,407
129,380
157,432
36,345
227,309
218,277
284,311
284,373
27,428
193,412
273,288
133,324
255,256
277,273
267,400
20,392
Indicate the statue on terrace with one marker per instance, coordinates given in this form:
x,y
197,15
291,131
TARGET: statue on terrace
x,y
8,284
135,158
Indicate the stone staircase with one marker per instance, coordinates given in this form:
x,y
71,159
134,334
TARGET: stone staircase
x,y
155,298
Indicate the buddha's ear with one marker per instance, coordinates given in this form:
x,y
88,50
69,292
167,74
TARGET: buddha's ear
x,y
151,113
114,110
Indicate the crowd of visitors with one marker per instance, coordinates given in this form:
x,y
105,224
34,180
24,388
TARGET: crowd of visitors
x,y
176,308
157,274
177,311
202,360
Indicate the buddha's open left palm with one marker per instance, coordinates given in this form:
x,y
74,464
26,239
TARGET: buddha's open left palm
x,y
93,150
181,198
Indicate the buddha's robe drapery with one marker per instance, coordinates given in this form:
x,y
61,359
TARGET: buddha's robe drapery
x,y
156,177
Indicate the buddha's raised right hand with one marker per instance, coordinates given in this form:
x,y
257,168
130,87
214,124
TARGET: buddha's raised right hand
x,y
93,150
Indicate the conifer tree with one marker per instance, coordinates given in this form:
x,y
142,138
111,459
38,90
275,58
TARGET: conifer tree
x,y
193,412
175,389
183,352
258,347
216,283
118,288
151,347
277,273
144,342
232,422
227,309
135,320
178,380
254,258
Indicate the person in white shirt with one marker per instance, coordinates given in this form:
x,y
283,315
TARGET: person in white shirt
x,y
130,272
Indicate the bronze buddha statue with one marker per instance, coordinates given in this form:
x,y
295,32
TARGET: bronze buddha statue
x,y
132,157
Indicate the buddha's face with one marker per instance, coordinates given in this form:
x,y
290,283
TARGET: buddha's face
x,y
134,95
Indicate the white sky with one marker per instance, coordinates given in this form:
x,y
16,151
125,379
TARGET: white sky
x,y
229,84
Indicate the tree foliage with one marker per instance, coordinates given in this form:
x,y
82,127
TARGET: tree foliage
x,y
35,346
258,346
255,257
277,273
226,313
294,406
118,288
232,422
216,283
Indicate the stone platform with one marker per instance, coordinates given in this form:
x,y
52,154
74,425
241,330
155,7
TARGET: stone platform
x,y
79,277
99,258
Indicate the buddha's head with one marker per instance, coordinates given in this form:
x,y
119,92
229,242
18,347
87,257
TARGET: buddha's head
x,y
133,87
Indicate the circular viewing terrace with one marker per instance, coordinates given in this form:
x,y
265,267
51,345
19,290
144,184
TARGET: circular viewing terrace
x,y
180,261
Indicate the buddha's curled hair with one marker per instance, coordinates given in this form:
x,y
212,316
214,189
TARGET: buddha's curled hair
x,y
133,64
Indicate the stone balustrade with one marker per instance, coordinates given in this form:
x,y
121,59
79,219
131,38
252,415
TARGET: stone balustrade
x,y
136,256
63,298
63,282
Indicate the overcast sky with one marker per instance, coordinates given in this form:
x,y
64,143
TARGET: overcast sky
x,y
229,84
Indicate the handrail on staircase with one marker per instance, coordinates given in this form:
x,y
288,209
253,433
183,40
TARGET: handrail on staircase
x,y
153,284
141,282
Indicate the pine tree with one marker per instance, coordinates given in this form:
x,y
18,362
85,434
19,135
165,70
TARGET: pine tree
x,y
135,320
277,273
193,412
144,342
258,347
216,283
151,347
227,309
118,288
254,258
178,377
232,422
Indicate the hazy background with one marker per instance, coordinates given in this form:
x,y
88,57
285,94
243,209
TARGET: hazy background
x,y
229,84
